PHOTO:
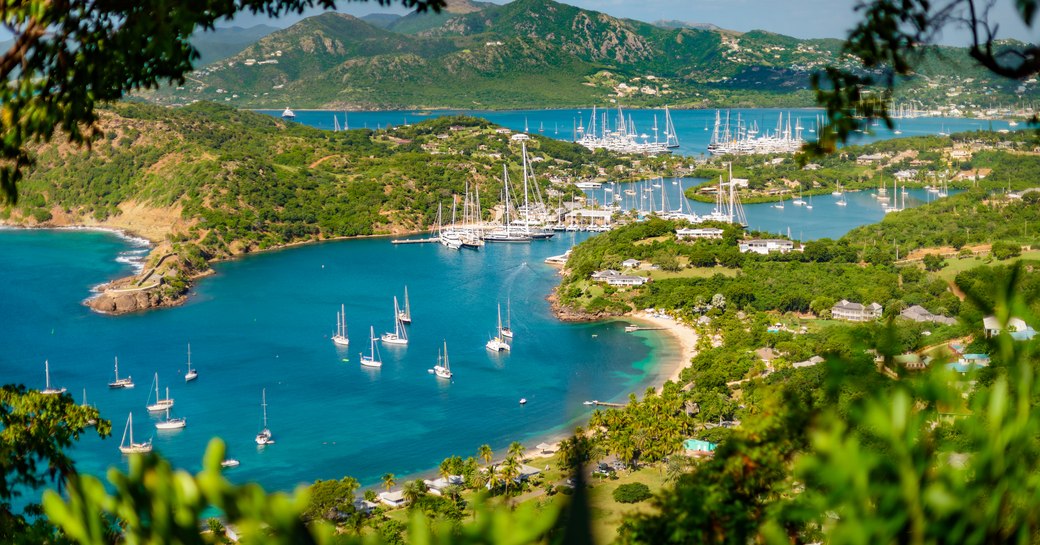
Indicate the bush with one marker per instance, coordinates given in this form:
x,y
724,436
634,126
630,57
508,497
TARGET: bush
x,y
1004,250
632,493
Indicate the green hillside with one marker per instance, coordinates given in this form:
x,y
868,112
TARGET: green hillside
x,y
540,53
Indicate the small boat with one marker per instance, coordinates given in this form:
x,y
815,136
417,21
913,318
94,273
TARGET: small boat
x,y
125,382
523,401
799,201
779,205
808,206
92,421
264,437
507,331
371,360
838,192
48,390
160,404
192,374
399,336
340,338
498,344
171,423
288,114
443,368
406,314
131,447
229,462
842,202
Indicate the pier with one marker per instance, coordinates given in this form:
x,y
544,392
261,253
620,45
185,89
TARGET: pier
x,y
632,328
604,404
414,240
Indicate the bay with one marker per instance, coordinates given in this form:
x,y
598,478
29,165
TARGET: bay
x,y
693,127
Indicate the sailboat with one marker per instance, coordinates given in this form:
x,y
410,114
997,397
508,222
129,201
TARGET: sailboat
x,y
498,343
160,404
371,360
780,204
132,447
192,374
443,368
507,232
799,201
48,390
838,192
507,331
841,202
541,126
340,338
399,336
92,421
264,437
171,423
405,315
126,382
809,205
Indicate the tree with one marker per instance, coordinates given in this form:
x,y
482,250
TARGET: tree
x,y
68,57
933,262
328,499
388,481
516,450
890,41
414,491
36,430
485,453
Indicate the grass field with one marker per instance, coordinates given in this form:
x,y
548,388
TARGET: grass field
x,y
955,266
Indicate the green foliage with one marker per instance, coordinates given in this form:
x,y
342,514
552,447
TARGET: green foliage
x,y
36,432
331,499
1005,250
632,493
933,262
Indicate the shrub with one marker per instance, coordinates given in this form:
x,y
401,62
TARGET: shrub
x,y
632,493
1004,250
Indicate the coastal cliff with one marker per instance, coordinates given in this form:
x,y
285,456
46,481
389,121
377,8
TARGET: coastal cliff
x,y
570,313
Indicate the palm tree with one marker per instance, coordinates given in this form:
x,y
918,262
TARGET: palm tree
x,y
516,450
484,453
445,468
510,471
413,491
388,481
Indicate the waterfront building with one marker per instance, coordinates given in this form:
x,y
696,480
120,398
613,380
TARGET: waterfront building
x,y
917,313
697,447
704,232
1017,328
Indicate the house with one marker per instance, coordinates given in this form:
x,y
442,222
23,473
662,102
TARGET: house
x,y
967,362
704,232
437,486
869,159
813,361
503,130
696,447
631,263
917,313
364,506
583,216
766,245
1017,328
526,472
855,312
519,137
393,499
614,278
911,362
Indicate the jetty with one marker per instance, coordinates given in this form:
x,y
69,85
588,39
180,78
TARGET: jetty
x,y
603,403
414,240
631,328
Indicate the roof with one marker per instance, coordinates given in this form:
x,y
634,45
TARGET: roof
x,y
699,445
395,496
528,471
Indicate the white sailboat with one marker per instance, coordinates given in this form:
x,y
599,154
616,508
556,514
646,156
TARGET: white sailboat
x,y
92,421
371,360
507,331
507,232
160,404
838,192
229,463
125,382
779,205
48,390
799,201
192,374
443,368
399,336
842,202
171,423
131,447
405,315
264,437
809,205
498,343
340,338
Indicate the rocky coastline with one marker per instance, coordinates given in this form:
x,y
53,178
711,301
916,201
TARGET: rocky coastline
x,y
566,313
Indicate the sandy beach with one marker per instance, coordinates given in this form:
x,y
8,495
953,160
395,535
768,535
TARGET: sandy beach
x,y
684,334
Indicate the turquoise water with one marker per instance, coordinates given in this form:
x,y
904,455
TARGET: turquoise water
x,y
693,127
266,321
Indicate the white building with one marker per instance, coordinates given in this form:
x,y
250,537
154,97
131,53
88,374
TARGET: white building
x,y
766,245
704,232
855,312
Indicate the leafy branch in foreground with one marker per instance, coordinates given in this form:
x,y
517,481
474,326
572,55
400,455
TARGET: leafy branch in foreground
x,y
889,41
68,56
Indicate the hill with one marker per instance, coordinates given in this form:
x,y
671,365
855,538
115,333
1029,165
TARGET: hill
x,y
537,53
207,182
222,43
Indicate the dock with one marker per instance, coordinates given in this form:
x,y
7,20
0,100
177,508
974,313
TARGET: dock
x,y
414,240
632,328
604,404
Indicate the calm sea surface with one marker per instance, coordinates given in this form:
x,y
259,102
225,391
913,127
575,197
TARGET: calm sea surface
x,y
693,127
265,322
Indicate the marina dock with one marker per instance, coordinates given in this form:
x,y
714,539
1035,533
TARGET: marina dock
x,y
414,240
604,404
631,328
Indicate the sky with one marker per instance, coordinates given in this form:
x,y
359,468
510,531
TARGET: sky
x,y
798,18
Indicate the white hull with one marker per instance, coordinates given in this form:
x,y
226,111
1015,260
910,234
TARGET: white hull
x,y
507,334
264,437
369,362
340,340
441,372
52,391
392,338
171,424
190,376
497,345
162,405
125,383
230,462
136,448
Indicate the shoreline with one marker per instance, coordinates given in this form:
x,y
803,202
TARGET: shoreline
x,y
683,334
